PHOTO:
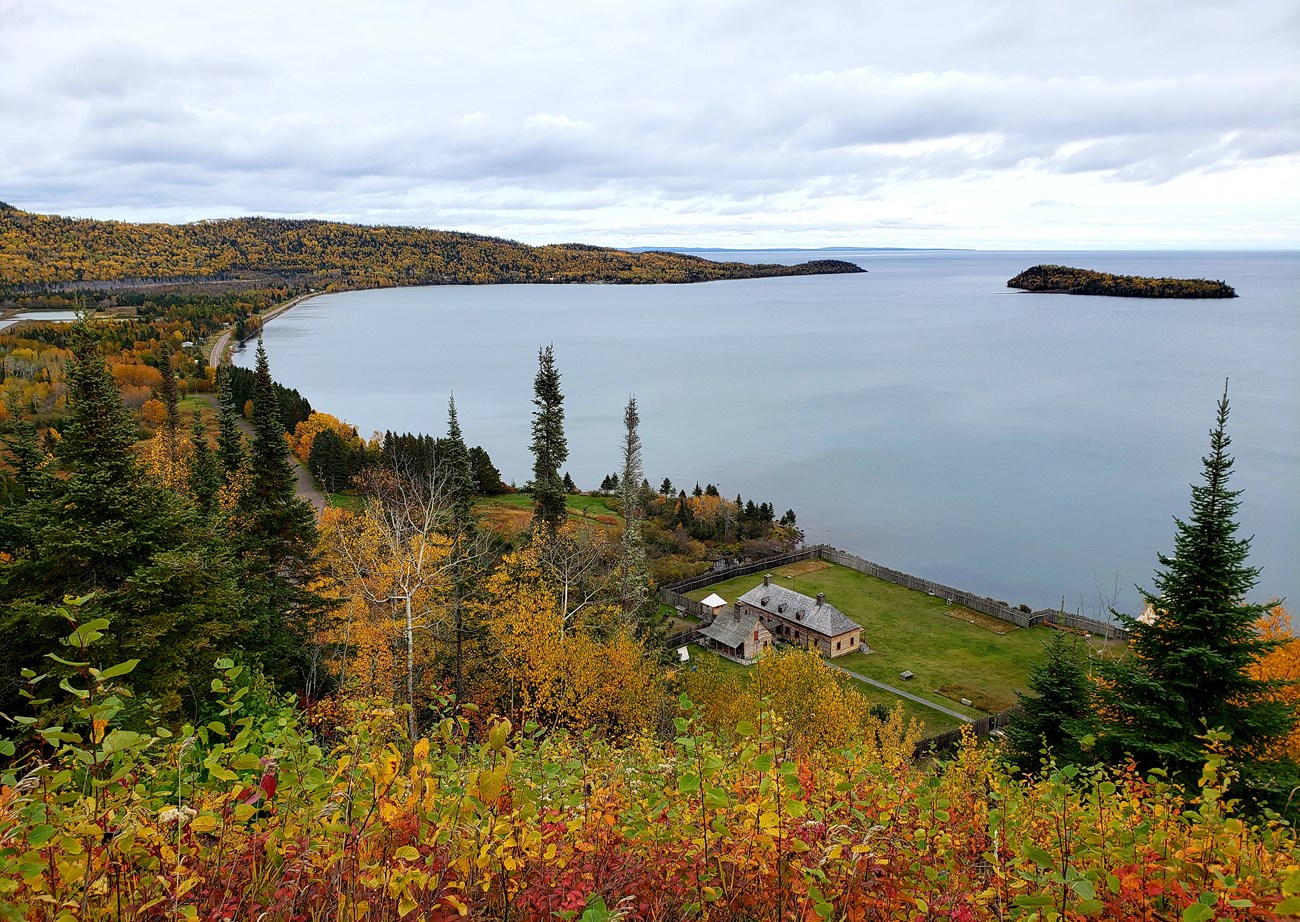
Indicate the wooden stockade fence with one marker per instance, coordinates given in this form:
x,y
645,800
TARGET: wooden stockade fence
x,y
674,593
982,727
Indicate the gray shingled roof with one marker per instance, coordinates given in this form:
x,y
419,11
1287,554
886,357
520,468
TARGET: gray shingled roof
x,y
729,630
786,603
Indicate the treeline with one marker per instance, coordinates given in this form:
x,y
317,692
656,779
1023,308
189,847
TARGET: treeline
x,y
293,407
1067,280
48,249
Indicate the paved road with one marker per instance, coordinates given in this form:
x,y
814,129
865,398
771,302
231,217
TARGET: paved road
x,y
306,488
902,694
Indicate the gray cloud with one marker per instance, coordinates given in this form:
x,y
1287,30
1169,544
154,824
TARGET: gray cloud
x,y
668,116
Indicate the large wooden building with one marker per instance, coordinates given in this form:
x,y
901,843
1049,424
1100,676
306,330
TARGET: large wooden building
x,y
796,618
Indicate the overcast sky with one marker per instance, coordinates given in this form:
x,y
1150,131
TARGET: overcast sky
x,y
988,123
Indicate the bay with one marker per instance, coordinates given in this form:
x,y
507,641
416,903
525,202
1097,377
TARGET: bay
x,y
1029,447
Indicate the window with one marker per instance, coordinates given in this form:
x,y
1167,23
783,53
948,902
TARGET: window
x,y
837,645
756,634
853,640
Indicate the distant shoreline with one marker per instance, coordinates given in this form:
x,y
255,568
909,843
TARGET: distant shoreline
x,y
221,344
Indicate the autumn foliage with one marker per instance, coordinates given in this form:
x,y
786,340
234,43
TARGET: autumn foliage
x,y
252,817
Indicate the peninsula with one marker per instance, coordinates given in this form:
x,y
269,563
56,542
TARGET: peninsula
x,y
54,252
1067,280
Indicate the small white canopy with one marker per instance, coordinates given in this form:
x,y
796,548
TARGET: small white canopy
x,y
714,601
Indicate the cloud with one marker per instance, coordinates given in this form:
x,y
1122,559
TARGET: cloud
x,y
664,114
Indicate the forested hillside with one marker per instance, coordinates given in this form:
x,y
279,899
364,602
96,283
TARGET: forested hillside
x,y
42,250
1068,280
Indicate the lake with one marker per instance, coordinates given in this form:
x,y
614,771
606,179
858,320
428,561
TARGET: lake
x,y
1030,447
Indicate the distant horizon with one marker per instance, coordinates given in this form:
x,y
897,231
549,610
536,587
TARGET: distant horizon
x,y
688,248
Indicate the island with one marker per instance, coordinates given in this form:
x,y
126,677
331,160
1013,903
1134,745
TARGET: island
x,y
53,253
1067,280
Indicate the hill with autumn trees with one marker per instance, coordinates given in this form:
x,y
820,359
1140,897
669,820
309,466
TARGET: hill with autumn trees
x,y
1071,281
49,250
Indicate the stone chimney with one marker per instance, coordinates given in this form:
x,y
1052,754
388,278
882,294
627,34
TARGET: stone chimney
x,y
821,599
767,580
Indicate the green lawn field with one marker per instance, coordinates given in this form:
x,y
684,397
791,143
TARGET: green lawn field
x,y
911,631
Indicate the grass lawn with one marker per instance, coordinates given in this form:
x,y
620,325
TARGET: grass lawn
x,y
602,508
348,501
911,631
933,721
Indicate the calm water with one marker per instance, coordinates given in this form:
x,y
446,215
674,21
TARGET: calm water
x,y
1024,446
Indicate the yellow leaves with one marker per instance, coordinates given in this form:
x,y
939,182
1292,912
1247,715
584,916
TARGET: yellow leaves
x,y
305,433
204,823
421,750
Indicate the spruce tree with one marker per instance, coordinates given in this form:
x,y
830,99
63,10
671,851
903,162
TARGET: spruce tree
x,y
230,441
456,472
1058,713
274,533
1188,668
98,525
634,577
550,449
205,470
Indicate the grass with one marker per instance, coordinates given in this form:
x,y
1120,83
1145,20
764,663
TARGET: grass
x,y
579,504
911,631
933,721
349,501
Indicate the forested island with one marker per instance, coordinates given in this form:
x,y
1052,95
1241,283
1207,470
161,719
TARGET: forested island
x,y
40,251
1068,280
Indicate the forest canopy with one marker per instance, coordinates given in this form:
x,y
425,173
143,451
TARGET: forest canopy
x,y
1067,280
47,250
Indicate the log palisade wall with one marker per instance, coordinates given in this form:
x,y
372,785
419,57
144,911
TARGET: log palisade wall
x,y
674,593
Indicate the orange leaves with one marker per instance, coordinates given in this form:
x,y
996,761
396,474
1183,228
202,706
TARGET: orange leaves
x,y
1282,664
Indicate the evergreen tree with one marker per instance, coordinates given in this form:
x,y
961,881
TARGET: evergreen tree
x,y
230,441
1058,713
456,472
550,449
100,526
634,577
167,391
698,491
569,486
487,479
205,470
274,533
1188,667
328,461
666,488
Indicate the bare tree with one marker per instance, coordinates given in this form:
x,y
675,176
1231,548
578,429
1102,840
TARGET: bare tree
x,y
400,555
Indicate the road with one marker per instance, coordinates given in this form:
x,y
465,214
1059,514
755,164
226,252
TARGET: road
x,y
306,486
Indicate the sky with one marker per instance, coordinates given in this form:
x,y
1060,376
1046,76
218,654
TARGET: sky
x,y
1144,124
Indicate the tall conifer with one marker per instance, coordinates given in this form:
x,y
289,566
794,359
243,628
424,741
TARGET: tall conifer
x,y
550,449
1188,666
634,577
230,441
275,534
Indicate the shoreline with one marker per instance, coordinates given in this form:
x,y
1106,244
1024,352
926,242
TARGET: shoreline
x,y
221,345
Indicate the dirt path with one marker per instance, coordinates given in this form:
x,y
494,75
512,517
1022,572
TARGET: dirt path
x,y
306,486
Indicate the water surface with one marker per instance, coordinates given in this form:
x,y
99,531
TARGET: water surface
x,y
1030,447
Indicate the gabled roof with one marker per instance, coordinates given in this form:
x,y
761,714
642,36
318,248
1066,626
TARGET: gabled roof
x,y
731,631
798,608
714,601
